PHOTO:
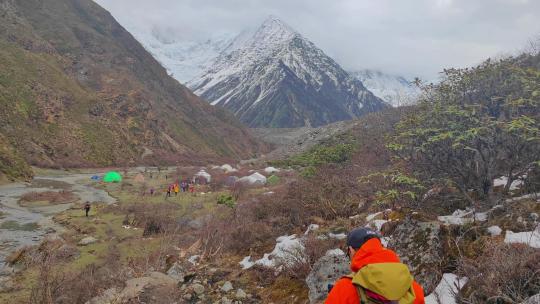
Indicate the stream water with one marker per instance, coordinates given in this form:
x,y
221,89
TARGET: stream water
x,y
22,226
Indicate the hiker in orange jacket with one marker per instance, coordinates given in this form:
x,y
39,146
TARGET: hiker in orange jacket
x,y
365,248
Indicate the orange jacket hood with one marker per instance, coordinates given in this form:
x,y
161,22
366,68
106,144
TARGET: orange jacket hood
x,y
372,252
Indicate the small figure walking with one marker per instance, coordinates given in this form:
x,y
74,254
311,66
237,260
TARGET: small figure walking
x,y
87,208
176,189
183,185
192,189
168,192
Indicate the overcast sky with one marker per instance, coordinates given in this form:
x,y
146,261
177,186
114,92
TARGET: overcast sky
x,y
407,37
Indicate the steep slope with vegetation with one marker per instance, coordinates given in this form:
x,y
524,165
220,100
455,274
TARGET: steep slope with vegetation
x,y
77,90
470,149
272,240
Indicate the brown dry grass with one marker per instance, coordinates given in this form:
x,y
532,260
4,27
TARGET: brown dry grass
x,y
503,273
52,197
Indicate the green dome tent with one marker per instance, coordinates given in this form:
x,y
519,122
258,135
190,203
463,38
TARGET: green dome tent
x,y
112,177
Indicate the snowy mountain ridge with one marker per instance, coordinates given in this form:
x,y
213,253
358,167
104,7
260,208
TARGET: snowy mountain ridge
x,y
278,78
396,90
183,59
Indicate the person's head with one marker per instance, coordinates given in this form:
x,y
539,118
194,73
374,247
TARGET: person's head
x,y
358,237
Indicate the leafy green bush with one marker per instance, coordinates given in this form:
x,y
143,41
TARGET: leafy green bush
x,y
227,200
475,126
394,187
321,155
273,180
308,172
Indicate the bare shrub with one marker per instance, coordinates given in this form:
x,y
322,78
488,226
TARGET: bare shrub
x,y
55,284
504,273
265,276
219,180
239,190
248,234
326,195
152,259
154,218
532,182
50,281
213,234
18,255
185,173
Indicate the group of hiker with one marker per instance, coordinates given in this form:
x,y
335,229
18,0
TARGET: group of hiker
x,y
184,186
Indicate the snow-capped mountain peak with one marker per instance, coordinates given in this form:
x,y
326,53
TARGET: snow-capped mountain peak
x,y
273,32
278,78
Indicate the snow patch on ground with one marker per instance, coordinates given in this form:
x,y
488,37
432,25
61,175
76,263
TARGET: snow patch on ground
x,y
338,236
271,170
531,238
335,252
372,216
494,230
310,228
446,290
501,182
461,217
378,224
526,196
193,259
286,250
246,263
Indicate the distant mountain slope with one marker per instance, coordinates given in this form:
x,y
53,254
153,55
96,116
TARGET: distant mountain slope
x,y
183,59
76,89
396,90
277,78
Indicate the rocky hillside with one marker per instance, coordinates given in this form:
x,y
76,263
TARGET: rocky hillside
x,y
291,141
79,90
278,78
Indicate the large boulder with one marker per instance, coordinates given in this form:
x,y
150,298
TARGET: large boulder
x,y
87,241
419,245
228,168
109,296
253,179
533,300
227,286
326,271
134,288
176,272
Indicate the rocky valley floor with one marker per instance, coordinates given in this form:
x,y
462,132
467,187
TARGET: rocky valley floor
x,y
140,248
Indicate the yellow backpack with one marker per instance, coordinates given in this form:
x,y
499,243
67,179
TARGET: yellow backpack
x,y
393,281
